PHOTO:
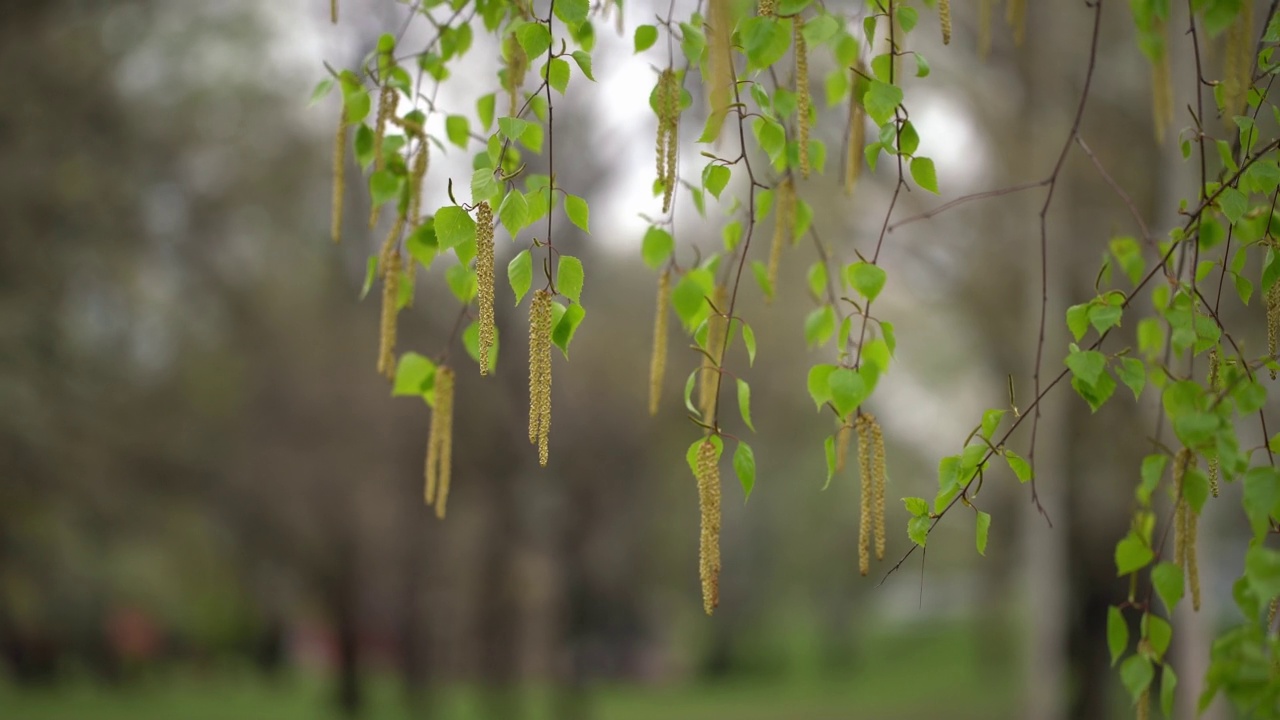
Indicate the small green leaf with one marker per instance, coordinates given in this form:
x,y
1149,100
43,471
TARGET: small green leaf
x,y
414,375
484,110
1020,467
744,464
557,72
462,281
749,339
990,421
819,384
584,63
471,341
520,274
1078,320
715,177
1158,634
513,213
657,247
923,173
1168,684
1262,568
1136,673
1168,581
534,37
918,529
984,525
829,445
576,208
384,185
691,456
866,278
1117,633
572,12
688,393
761,274
645,37
1133,372
1132,554
569,277
1088,365
880,102
744,402
1104,317
1233,203
458,129
484,186
819,326
564,330
454,227
371,269
848,390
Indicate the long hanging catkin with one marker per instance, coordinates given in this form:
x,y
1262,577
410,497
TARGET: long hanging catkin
x,y
802,94
484,282
339,172
540,373
658,362
862,427
708,476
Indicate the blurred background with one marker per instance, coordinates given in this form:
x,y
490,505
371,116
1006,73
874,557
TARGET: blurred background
x,y
210,504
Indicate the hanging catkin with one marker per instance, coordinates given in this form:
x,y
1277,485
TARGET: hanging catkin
x,y
333,11
985,11
440,443
658,362
784,203
1162,88
842,445
668,101
767,8
1214,378
1180,462
1016,16
1193,566
719,60
484,281
339,173
390,296
802,94
878,480
708,476
944,18
1238,62
865,476
1273,319
540,373
419,172
855,139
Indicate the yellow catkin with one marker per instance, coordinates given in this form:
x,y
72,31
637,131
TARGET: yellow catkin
x,y
660,104
671,115
784,207
1193,566
1180,462
339,174
1273,321
842,445
517,64
1238,61
1162,89
802,94
767,8
484,282
387,100
421,159
708,477
720,60
1016,16
444,410
863,430
1214,378
333,11
540,373
878,481
709,378
855,141
390,295
944,18
658,362
985,11
1144,704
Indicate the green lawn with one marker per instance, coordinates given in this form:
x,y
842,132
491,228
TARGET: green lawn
x,y
922,675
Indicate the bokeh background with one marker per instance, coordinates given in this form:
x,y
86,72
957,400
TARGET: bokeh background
x,y
209,501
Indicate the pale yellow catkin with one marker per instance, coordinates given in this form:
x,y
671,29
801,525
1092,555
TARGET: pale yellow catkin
x,y
708,477
865,475
985,11
767,8
878,481
660,103
842,445
1214,382
658,362
1144,704
1273,321
333,11
944,18
1238,61
485,282
1272,610
387,100
784,220
720,60
444,408
390,295
671,113
855,141
540,373
1016,16
421,160
1193,566
339,174
802,94
1180,462
1162,90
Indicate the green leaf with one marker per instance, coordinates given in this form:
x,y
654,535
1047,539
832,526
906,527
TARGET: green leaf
x,y
880,102
1233,203
923,173
691,456
749,339
765,40
484,186
991,421
1133,372
513,128
415,375
454,227
576,208
564,330
829,445
471,341
1078,320
819,384
819,326
1117,633
848,390
371,269
520,274
458,129
744,464
657,247
918,507
1158,634
557,73
714,178
744,403
688,393
462,281
645,37
484,110
384,185
569,277
1129,254
1088,365
355,99
918,529
1262,568
534,37
1132,554
761,274
984,525
584,63
513,213
689,297
866,278
1020,467
1136,673
1104,317
572,12
1167,579
1168,684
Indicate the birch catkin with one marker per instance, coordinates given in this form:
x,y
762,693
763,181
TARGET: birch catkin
x,y
419,172
842,445
985,11
1162,89
802,94
484,278
1016,16
863,430
540,373
658,362
390,296
720,61
855,140
387,100
784,221
1238,63
708,476
878,481
444,411
668,101
944,18
339,172
333,11
1273,320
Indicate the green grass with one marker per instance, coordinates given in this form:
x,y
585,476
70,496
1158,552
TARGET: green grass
x,y
924,674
